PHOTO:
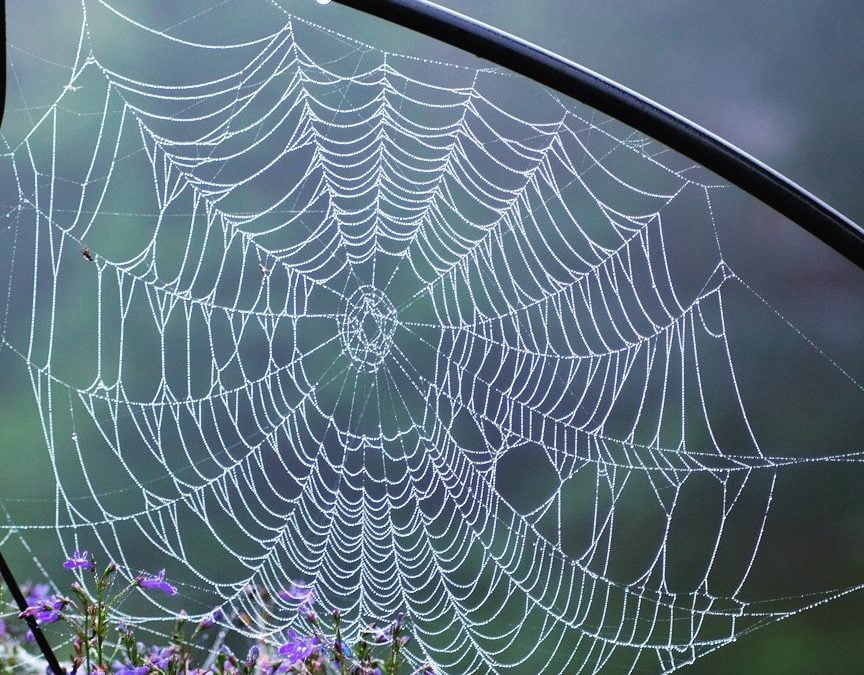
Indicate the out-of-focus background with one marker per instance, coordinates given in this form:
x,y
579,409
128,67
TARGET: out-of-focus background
x,y
781,80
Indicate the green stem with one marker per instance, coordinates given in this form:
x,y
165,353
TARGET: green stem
x,y
99,623
86,638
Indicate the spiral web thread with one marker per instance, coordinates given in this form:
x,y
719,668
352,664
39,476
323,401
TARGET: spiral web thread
x,y
342,302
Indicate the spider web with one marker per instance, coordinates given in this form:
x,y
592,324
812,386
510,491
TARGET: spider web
x,y
417,333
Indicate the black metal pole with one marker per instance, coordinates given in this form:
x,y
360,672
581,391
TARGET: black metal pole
x,y
644,115
47,652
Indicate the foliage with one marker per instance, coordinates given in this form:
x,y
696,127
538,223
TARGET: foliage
x,y
98,646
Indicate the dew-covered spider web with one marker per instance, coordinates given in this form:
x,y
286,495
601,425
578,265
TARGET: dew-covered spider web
x,y
291,296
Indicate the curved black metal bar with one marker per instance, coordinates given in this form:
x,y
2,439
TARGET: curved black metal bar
x,y
644,115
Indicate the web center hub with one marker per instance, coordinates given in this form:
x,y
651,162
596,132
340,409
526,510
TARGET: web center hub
x,y
367,326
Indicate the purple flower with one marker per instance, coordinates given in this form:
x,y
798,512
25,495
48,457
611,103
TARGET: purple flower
x,y
380,635
157,582
210,619
3,631
38,593
160,657
48,616
308,613
80,559
298,648
299,593
46,611
252,656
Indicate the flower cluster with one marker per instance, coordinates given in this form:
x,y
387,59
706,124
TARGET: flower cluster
x,y
378,650
299,648
86,612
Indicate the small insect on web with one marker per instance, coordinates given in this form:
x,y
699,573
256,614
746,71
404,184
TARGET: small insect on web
x,y
369,312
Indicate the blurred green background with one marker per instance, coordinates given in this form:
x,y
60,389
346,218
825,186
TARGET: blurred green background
x,y
781,80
